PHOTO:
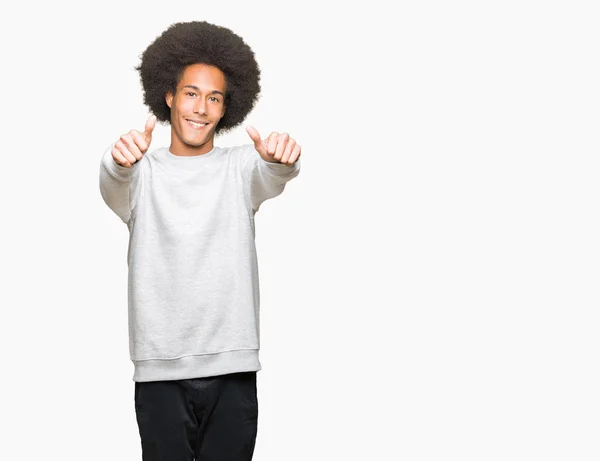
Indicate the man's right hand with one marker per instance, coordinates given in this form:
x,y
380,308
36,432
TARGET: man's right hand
x,y
132,146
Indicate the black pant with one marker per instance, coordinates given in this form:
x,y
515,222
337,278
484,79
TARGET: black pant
x,y
203,419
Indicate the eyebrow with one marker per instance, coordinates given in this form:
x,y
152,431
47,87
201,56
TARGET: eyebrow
x,y
198,89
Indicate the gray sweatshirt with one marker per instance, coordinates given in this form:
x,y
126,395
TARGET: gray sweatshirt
x,y
193,289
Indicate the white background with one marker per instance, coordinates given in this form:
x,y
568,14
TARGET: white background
x,y
429,282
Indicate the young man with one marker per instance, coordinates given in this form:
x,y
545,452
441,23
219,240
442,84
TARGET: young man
x,y
193,285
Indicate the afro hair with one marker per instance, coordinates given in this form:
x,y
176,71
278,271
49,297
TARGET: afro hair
x,y
186,43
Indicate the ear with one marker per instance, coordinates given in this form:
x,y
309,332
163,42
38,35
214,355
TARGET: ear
x,y
169,98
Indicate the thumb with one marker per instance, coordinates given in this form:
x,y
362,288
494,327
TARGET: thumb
x,y
253,133
150,124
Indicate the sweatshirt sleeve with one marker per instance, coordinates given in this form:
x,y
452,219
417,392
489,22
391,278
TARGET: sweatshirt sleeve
x,y
264,180
120,186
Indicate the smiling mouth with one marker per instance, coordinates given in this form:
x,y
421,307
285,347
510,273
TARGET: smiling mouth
x,y
196,125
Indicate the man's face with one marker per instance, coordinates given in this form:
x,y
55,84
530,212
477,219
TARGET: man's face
x,y
196,108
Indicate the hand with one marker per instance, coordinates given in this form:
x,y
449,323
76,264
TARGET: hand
x,y
277,148
132,146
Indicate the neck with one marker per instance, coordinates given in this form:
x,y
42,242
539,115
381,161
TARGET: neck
x,y
182,149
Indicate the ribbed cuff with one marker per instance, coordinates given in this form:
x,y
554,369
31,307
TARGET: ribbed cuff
x,y
279,169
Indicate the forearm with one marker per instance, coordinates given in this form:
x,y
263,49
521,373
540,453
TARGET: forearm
x,y
268,179
117,184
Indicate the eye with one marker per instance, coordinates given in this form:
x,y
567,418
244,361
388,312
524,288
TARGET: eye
x,y
214,99
191,93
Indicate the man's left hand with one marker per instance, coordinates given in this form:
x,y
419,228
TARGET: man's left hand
x,y
277,148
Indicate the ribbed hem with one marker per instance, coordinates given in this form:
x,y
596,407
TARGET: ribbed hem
x,y
197,366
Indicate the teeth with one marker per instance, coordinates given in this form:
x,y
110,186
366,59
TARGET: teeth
x,y
197,125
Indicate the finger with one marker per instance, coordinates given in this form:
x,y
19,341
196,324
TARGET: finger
x,y
295,155
127,139
118,158
128,155
281,143
265,143
272,143
288,150
149,128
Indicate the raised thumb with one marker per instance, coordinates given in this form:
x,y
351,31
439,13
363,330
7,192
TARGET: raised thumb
x,y
150,124
254,135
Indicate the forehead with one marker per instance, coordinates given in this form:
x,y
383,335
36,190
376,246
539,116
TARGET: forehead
x,y
203,76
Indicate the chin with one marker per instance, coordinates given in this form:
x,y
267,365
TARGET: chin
x,y
195,142
198,140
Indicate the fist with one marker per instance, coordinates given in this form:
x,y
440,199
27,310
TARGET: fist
x,y
277,148
132,146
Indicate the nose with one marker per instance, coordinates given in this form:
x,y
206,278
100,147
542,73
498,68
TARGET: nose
x,y
200,106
